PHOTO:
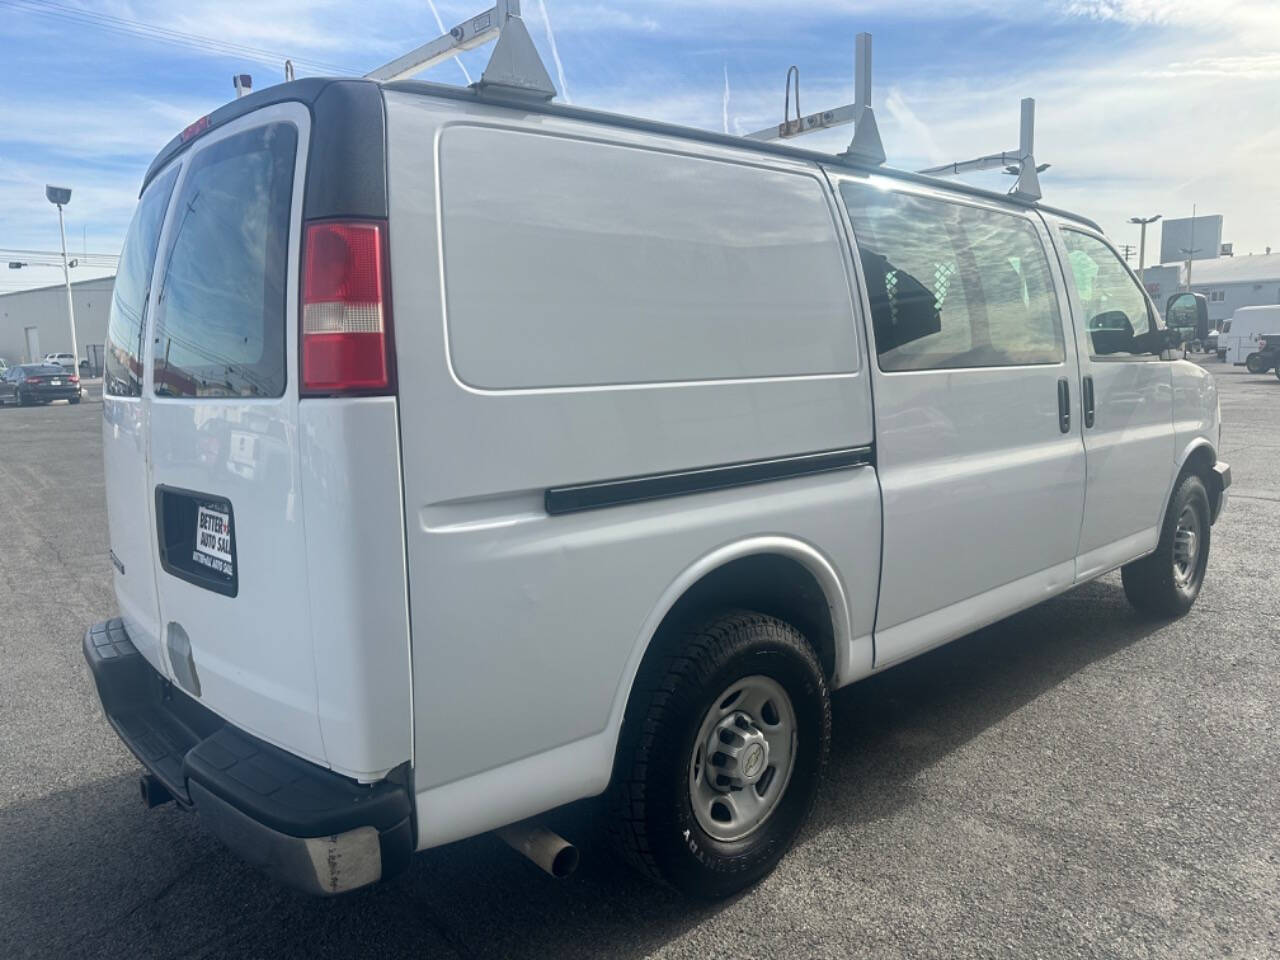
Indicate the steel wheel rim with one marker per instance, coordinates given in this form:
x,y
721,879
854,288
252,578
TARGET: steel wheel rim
x,y
1186,547
734,794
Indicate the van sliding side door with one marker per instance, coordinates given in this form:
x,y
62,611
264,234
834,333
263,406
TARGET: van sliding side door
x,y
976,386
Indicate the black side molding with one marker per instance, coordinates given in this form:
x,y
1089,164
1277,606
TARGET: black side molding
x,y
658,486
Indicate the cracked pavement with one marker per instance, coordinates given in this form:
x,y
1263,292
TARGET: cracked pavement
x,y
1073,781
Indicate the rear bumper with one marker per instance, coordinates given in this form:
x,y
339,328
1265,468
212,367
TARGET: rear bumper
x,y
305,825
38,392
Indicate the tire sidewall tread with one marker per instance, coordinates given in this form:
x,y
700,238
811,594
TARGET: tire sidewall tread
x,y
651,816
1149,583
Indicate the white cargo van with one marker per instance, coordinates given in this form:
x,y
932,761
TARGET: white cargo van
x,y
1240,334
467,456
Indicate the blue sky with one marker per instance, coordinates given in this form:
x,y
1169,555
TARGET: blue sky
x,y
1143,106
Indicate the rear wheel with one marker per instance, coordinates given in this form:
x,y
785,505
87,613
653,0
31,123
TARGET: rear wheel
x,y
1278,371
1255,364
23,399
1167,582
721,755
74,399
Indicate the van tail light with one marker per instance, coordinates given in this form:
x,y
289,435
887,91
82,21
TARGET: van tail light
x,y
346,343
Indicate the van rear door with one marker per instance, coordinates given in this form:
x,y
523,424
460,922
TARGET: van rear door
x,y
224,485
124,433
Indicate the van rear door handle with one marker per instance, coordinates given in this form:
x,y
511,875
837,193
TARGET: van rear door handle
x,y
1064,405
1087,400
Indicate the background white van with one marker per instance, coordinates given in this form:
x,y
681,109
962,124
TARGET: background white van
x,y
1247,324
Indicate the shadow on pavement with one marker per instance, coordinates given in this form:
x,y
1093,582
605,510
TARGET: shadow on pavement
x,y
88,872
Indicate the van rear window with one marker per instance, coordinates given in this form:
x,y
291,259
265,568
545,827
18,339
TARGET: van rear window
x,y
123,360
220,312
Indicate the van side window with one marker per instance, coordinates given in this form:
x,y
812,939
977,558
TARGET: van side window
x,y
122,363
220,309
1114,306
952,285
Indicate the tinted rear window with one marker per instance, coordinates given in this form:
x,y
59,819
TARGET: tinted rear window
x,y
123,360
220,329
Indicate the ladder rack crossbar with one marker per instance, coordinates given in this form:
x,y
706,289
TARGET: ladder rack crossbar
x,y
514,65
1003,159
468,35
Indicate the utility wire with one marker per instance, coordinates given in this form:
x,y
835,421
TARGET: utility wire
x,y
126,25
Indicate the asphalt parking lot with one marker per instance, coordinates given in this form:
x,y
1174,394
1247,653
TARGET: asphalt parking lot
x,y
1073,781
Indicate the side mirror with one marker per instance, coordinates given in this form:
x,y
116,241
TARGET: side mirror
x,y
1189,311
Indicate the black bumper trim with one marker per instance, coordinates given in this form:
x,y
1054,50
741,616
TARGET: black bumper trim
x,y
213,766
1222,480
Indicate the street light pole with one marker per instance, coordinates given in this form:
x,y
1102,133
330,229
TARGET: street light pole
x,y
59,196
1142,241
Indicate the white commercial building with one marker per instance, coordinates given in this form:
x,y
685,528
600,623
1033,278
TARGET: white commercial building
x,y
34,322
1229,283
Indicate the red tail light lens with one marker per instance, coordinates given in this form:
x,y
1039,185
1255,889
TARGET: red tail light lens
x,y
74,378
345,346
33,380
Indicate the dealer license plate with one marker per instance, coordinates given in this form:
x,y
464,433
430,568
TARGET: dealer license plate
x,y
213,540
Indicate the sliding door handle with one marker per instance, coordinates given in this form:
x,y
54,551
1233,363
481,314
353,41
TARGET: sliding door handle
x,y
1087,388
1064,405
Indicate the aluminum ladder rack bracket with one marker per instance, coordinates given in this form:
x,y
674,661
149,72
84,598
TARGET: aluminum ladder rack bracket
x,y
514,66
1021,162
866,146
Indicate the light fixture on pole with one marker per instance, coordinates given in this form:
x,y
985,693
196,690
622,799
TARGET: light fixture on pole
x,y
1142,240
59,197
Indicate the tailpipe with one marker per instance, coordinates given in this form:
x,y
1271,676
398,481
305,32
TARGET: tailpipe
x,y
154,793
550,851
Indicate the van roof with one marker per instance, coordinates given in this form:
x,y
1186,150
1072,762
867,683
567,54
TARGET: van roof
x,y
308,90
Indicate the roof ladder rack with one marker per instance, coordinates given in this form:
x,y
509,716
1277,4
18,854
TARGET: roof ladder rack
x,y
866,146
514,67
1021,162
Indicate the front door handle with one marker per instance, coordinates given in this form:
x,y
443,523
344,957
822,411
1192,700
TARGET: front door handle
x,y
1064,405
1087,400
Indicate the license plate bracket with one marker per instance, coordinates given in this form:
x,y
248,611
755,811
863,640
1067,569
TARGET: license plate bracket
x,y
197,539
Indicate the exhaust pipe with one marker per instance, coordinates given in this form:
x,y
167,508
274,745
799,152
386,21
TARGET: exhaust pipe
x,y
550,851
154,793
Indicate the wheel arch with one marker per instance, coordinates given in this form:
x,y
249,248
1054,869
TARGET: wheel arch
x,y
780,576
1197,457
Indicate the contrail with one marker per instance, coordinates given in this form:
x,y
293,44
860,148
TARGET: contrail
x,y
724,107
440,23
555,52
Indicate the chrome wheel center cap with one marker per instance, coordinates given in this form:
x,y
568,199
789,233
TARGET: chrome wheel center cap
x,y
738,752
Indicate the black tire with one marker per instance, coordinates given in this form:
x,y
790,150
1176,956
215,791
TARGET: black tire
x,y
1278,371
23,399
651,813
1255,364
73,399
1152,584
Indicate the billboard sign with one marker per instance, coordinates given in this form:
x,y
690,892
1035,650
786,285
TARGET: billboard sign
x,y
1201,234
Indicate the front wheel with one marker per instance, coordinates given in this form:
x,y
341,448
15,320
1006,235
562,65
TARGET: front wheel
x,y
1278,371
1167,582
721,754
